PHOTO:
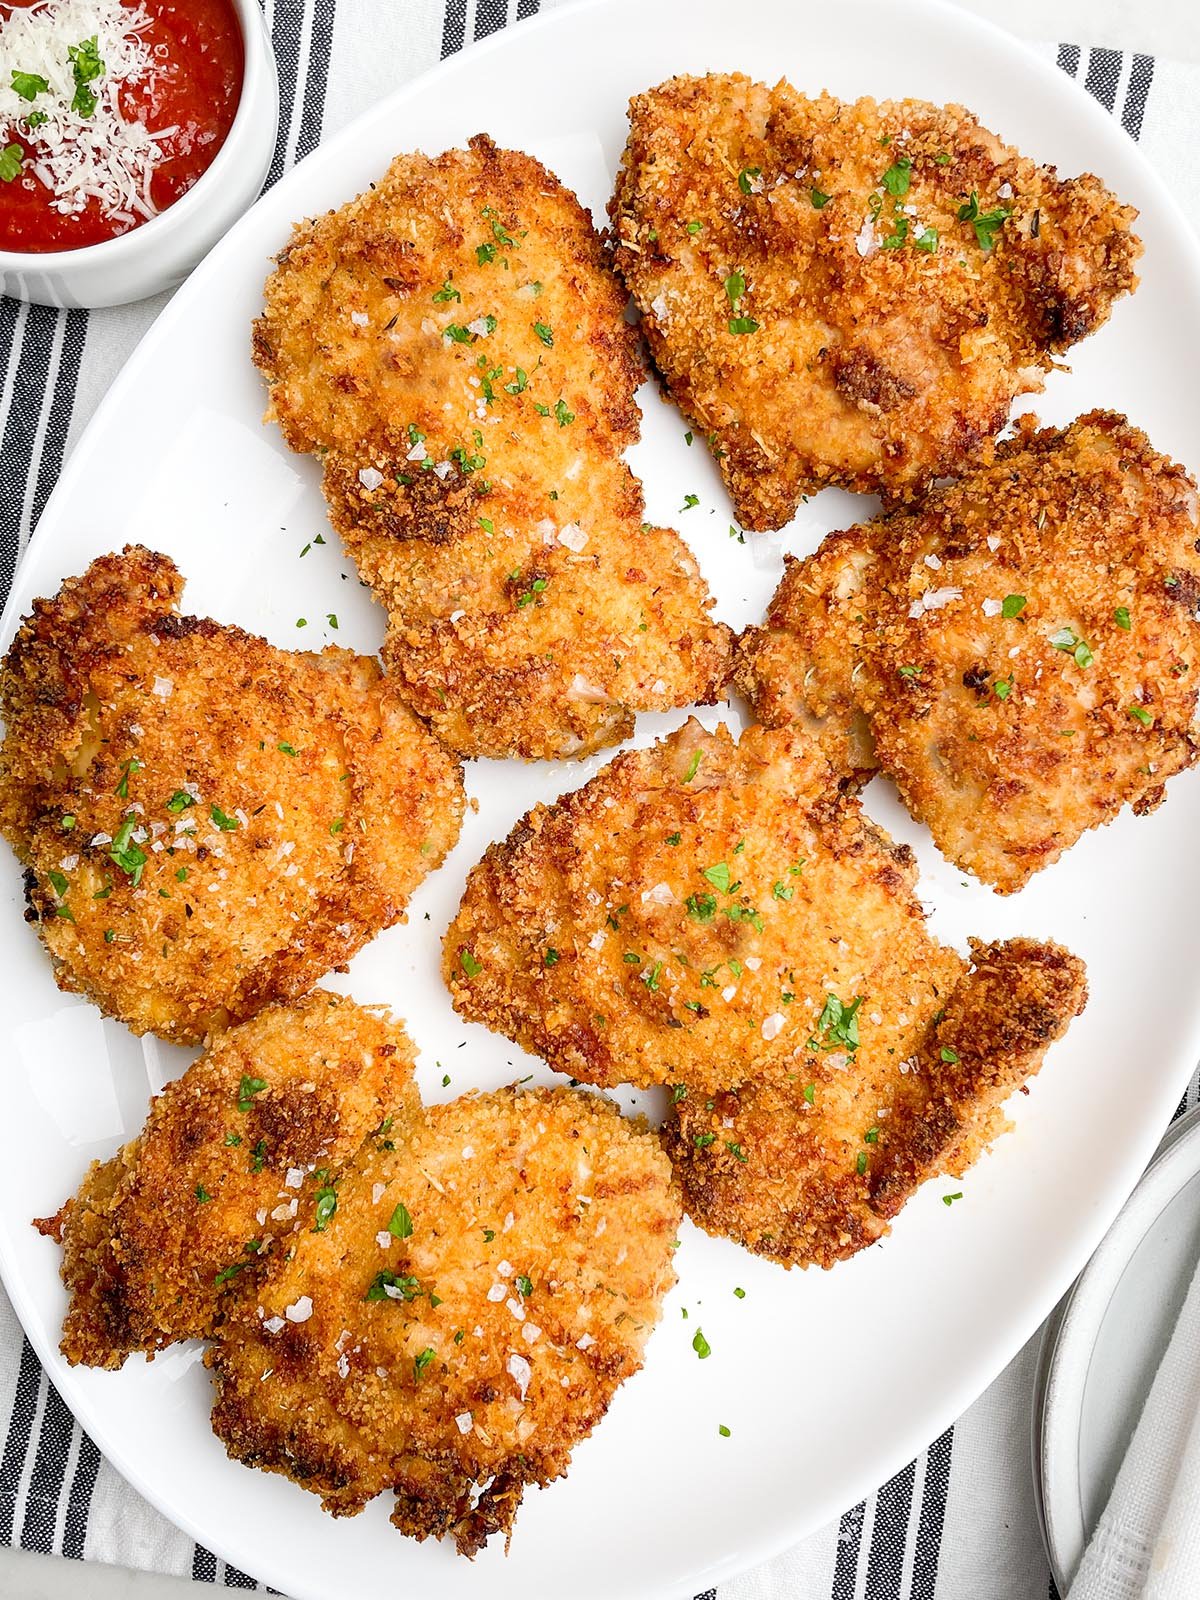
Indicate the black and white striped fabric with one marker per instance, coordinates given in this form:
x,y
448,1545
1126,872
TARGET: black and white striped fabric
x,y
959,1521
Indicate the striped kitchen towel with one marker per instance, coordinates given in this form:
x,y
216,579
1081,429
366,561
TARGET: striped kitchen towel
x,y
956,1524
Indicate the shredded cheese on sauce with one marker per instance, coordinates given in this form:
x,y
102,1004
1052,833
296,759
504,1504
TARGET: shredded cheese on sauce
x,y
102,157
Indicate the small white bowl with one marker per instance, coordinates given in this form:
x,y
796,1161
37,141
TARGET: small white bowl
x,y
160,253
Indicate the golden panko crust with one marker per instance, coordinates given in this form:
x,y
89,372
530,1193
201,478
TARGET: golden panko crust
x,y
487,1282
452,344
209,823
238,1158
1018,651
810,1165
683,918
851,294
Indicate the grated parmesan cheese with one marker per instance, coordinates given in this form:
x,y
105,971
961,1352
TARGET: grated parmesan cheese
x,y
103,157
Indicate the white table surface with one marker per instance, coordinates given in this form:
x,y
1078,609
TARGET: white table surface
x,y
1170,28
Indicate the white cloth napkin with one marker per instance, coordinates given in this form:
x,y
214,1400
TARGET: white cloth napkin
x,y
1147,1543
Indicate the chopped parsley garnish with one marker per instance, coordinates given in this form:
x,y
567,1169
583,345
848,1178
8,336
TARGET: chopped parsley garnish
x,y
562,415
690,502
29,84
58,881
740,1294
285,749
819,200
899,234
701,1345
202,1194
457,334
693,766
746,179
1121,618
949,1199
331,617
987,224
524,1285
810,1092
861,1164
735,1150
247,1089
702,907
650,978
718,876
66,823
233,1139
470,964
674,838
927,240
896,179
1002,688
12,158
228,1272
909,672
447,293
1067,639
743,325
694,228
551,957
723,1430
838,1022
337,825
125,854
703,1140
485,253
86,66
678,1093
258,1156
1012,606
544,334
488,1235
132,765
226,824
409,1287
400,1222
735,288
179,801
1143,716
326,1206
421,1362
781,890
949,1055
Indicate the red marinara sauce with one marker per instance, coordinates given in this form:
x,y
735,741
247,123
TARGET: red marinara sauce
x,y
195,87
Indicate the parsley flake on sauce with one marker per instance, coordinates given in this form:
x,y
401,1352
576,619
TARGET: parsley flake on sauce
x,y
400,1222
29,84
12,158
1012,606
86,67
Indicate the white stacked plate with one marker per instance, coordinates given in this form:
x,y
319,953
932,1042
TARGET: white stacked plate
x,y
1103,1345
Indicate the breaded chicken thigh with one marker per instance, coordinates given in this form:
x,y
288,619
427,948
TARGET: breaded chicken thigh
x,y
488,1281
452,345
239,1157
1019,651
851,294
208,823
810,1165
682,918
